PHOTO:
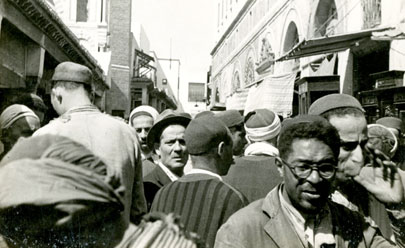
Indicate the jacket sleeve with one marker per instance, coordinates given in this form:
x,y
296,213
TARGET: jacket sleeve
x,y
228,236
138,208
397,217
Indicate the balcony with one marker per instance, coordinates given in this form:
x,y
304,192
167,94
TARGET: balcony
x,y
144,74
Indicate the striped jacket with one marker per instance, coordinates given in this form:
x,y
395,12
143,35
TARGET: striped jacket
x,y
203,202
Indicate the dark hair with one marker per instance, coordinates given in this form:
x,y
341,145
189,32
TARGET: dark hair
x,y
321,130
342,112
68,85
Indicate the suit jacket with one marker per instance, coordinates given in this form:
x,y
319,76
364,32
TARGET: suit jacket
x,y
254,176
154,181
263,224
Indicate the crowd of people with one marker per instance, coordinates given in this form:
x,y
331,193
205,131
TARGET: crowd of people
x,y
88,179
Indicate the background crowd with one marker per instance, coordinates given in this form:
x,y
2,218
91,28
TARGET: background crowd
x,y
87,179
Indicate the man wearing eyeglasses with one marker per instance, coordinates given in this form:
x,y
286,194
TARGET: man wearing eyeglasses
x,y
354,188
298,213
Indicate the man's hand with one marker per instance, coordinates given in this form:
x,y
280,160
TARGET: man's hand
x,y
381,178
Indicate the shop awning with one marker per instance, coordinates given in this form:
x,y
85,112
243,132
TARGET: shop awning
x,y
331,44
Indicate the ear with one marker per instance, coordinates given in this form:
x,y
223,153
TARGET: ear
x,y
221,147
279,166
157,151
57,92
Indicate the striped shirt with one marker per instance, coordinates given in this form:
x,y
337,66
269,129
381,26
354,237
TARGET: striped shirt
x,y
203,202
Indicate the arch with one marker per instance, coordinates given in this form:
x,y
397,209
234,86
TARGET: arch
x,y
249,70
325,19
292,31
236,77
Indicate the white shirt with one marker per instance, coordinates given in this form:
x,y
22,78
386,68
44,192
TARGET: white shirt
x,y
168,172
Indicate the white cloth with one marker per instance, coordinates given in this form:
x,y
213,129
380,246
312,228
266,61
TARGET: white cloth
x,y
201,171
144,108
13,113
313,231
168,172
261,148
264,133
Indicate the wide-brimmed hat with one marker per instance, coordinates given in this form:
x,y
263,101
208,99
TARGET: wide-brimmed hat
x,y
166,118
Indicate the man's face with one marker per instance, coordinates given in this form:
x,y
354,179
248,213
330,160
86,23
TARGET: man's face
x,y
23,127
310,194
172,148
351,129
142,125
239,139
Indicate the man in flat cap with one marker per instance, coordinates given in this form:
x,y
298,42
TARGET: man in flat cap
x,y
200,197
298,213
166,138
16,121
141,119
110,139
255,173
375,197
234,121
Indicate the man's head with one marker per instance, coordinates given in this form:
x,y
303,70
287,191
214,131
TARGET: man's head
x,y
346,114
166,137
142,119
393,123
234,121
208,138
309,148
34,102
262,125
17,121
71,85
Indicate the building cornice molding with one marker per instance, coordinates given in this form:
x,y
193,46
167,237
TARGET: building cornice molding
x,y
45,19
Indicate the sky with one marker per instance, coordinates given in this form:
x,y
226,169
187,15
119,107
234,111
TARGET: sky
x,y
189,24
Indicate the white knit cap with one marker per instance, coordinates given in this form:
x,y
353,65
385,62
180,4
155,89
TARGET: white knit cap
x,y
143,110
13,113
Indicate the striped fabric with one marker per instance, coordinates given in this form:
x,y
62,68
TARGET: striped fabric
x,y
203,202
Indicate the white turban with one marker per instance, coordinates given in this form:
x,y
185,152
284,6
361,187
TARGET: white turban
x,y
143,110
262,125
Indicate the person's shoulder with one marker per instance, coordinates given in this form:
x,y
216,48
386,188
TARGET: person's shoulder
x,y
251,215
236,192
51,128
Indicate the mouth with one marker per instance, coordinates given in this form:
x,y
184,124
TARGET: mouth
x,y
311,194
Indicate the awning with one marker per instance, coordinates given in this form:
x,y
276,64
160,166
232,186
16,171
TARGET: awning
x,y
331,44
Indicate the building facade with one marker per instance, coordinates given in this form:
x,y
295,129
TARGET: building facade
x,y
108,30
33,41
284,54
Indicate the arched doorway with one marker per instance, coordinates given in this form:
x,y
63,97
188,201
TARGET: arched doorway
x,y
291,37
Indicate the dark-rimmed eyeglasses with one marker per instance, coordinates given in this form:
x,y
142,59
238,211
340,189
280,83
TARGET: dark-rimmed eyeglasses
x,y
325,170
351,145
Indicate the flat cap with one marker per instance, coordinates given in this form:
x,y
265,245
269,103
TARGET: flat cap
x,y
166,118
69,71
333,101
204,133
392,122
230,117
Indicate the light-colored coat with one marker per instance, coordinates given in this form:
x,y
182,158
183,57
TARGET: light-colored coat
x,y
114,142
263,224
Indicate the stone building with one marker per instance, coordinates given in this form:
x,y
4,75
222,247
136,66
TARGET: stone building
x,y
284,54
33,40
108,30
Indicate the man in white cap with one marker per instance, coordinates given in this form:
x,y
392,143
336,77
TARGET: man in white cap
x,y
110,139
16,121
142,119
255,174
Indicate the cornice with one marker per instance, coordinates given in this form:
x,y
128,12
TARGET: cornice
x,y
45,18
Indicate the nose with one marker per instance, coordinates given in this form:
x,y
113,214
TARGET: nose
x,y
357,155
143,134
314,177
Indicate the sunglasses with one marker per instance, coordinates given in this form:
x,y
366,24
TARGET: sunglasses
x,y
351,145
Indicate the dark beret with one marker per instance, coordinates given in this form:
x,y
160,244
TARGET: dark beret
x,y
204,133
166,118
72,72
333,101
230,117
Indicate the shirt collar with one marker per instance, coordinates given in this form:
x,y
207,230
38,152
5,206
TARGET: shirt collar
x,y
168,172
202,171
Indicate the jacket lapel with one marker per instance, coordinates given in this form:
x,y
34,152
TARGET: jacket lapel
x,y
279,227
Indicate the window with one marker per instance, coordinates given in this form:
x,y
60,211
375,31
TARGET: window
x,y
196,92
81,11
